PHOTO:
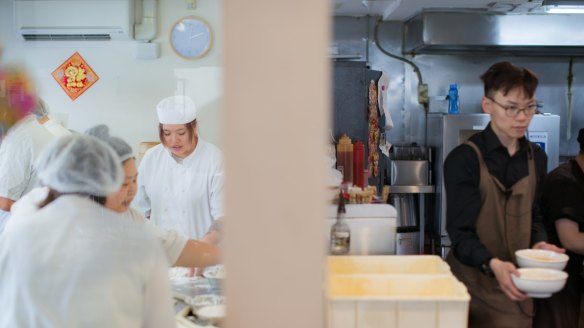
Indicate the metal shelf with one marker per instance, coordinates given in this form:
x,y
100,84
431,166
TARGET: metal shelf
x,y
427,189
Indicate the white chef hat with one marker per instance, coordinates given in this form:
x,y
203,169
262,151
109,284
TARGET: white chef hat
x,y
176,110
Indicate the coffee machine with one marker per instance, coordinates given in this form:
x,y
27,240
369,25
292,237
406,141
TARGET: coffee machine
x,y
410,180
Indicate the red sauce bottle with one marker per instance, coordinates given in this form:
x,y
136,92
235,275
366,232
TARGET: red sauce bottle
x,y
358,164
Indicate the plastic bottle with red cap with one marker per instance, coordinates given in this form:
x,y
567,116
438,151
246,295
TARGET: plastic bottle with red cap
x,y
358,164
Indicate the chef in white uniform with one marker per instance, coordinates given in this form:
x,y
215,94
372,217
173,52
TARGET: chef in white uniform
x,y
180,181
19,149
75,263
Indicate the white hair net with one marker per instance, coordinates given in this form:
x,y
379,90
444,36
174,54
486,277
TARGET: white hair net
x,y
41,109
122,148
80,164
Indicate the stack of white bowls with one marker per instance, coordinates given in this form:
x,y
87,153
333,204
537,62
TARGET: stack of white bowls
x,y
541,272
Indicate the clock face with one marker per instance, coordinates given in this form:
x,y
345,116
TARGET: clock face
x,y
190,37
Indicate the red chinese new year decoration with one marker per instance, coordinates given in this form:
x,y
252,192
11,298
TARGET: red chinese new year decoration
x,y
75,76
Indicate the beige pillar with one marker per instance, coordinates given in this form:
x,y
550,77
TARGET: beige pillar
x,y
276,123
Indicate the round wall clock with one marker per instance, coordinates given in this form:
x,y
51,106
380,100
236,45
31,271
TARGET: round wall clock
x,y
191,37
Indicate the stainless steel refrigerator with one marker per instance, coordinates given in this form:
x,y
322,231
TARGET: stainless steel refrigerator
x,y
445,132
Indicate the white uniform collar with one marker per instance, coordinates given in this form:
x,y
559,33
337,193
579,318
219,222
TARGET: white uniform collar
x,y
190,157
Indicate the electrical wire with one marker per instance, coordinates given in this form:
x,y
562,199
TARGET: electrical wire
x,y
387,53
570,79
421,86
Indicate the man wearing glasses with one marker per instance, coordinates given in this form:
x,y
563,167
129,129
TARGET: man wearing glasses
x,y
493,185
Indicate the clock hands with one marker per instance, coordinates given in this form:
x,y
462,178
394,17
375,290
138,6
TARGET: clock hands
x,y
196,35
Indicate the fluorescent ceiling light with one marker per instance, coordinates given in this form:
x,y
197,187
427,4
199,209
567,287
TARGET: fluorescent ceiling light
x,y
563,6
565,10
573,3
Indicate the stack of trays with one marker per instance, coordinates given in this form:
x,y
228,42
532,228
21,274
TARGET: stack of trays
x,y
394,291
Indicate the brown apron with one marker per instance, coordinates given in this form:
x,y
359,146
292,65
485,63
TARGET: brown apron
x,y
503,226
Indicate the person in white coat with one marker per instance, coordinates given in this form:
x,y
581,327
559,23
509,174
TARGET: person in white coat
x,y
19,149
42,114
180,181
75,263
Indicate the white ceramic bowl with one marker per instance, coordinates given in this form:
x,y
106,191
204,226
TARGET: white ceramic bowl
x,y
215,275
205,300
212,313
539,258
214,272
540,283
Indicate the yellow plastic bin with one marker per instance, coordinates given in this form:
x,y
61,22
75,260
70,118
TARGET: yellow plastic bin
x,y
387,264
397,301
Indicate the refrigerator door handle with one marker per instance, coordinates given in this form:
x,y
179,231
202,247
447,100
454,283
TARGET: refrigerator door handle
x,y
393,172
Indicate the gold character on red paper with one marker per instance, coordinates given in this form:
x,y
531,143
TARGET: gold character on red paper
x,y
75,77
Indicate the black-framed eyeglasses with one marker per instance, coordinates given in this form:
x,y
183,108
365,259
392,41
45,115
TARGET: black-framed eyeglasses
x,y
513,111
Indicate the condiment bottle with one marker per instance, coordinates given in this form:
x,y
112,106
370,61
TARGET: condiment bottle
x,y
345,158
453,99
340,231
358,164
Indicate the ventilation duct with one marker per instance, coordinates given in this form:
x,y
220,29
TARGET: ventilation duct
x,y
438,32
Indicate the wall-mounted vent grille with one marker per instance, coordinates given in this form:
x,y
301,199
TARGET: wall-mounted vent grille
x,y
86,20
67,37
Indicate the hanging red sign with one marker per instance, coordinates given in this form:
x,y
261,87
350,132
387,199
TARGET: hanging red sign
x,y
75,76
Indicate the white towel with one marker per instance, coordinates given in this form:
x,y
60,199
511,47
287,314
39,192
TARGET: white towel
x,y
382,94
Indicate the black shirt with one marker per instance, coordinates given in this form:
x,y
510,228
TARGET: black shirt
x,y
563,198
463,198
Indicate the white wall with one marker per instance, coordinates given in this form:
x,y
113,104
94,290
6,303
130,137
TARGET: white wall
x,y
128,90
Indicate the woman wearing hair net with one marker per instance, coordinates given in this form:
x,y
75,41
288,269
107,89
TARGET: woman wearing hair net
x,y
180,181
180,251
75,263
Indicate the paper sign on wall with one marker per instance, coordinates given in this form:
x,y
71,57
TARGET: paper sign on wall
x,y
540,138
75,76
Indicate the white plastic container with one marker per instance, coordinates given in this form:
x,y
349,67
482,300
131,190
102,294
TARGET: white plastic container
x,y
373,228
397,301
372,264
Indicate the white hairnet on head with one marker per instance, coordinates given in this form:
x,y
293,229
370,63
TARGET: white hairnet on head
x,y
41,109
122,148
80,164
